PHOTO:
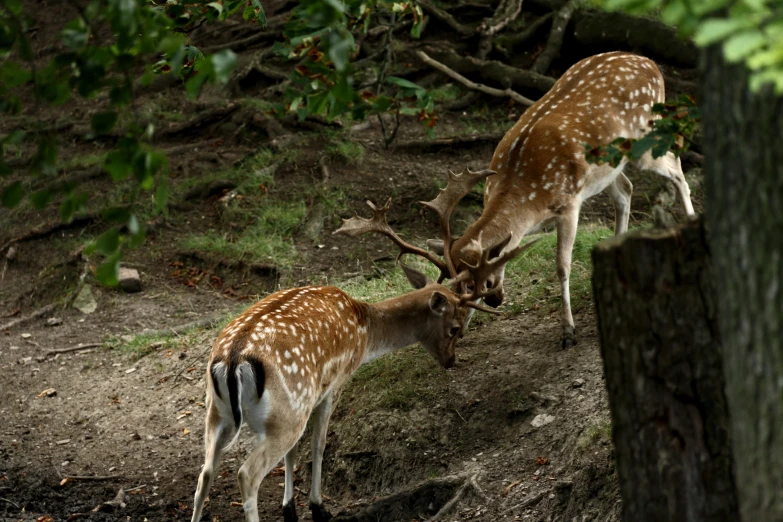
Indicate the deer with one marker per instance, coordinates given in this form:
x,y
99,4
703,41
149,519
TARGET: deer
x,y
284,361
542,175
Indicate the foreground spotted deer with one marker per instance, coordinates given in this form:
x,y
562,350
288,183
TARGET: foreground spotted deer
x,y
286,359
542,175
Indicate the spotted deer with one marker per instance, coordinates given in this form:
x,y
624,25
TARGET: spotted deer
x,y
286,359
542,175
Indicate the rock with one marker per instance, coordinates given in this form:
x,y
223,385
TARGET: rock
x,y
542,420
54,321
11,254
129,280
578,383
85,302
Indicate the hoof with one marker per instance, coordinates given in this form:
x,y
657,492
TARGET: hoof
x,y
568,339
289,512
319,513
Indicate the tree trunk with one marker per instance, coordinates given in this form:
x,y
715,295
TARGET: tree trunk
x,y
657,321
743,148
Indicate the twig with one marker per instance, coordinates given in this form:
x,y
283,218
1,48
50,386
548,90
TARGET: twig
x,y
188,363
555,41
453,141
34,315
460,416
73,348
91,477
137,488
448,506
535,499
17,506
504,14
472,85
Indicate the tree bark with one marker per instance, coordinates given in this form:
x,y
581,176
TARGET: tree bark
x,y
743,132
654,298
646,35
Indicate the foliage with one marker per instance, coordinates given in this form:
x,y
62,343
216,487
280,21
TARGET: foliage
x,y
141,30
672,131
750,31
322,37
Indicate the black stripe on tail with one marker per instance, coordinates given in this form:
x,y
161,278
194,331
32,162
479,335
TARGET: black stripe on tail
x,y
233,384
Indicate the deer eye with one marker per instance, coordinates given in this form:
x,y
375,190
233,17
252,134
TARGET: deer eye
x,y
489,285
454,331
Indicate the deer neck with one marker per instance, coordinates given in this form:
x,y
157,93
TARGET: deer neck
x,y
395,323
495,224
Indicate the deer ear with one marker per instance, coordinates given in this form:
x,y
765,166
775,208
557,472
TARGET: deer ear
x,y
416,278
436,245
497,248
439,303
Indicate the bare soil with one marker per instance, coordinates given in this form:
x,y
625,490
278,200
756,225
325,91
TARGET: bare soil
x,y
136,418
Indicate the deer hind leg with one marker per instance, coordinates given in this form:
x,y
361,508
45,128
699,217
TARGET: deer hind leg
x,y
272,447
620,191
669,167
320,422
566,235
289,506
218,433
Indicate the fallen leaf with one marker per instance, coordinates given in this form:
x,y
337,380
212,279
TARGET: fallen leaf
x,y
48,392
65,481
44,518
184,414
236,504
185,431
542,461
511,486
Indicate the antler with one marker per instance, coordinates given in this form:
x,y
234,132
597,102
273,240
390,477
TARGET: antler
x,y
485,266
357,226
457,188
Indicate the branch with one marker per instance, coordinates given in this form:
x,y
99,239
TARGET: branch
x,y
555,41
506,43
442,15
504,15
508,92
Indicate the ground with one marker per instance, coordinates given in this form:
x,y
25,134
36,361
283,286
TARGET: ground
x,y
130,409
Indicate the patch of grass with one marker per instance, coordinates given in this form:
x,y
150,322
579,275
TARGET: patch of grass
x,y
388,283
88,160
449,91
400,380
142,344
349,151
594,433
531,279
267,239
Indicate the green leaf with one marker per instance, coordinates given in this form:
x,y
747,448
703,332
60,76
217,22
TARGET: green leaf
x,y
108,242
75,35
162,194
12,75
14,137
743,44
103,122
402,82
108,272
5,170
223,64
41,198
15,6
133,225
117,164
12,194
340,47
116,214
717,29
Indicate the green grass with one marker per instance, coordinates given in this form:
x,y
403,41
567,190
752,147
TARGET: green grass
x,y
397,381
531,279
348,151
447,92
267,239
594,433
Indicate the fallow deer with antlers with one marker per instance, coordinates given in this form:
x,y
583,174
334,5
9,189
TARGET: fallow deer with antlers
x,y
542,175
286,359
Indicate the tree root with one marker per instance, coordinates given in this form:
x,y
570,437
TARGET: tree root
x,y
451,504
555,41
508,92
459,142
410,503
500,73
203,119
445,17
27,318
48,229
505,44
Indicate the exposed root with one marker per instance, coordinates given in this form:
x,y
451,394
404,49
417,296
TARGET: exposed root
x,y
555,41
445,17
508,92
451,504
203,119
459,142
50,229
27,318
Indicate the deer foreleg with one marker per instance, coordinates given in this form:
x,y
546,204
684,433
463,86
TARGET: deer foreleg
x,y
566,234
